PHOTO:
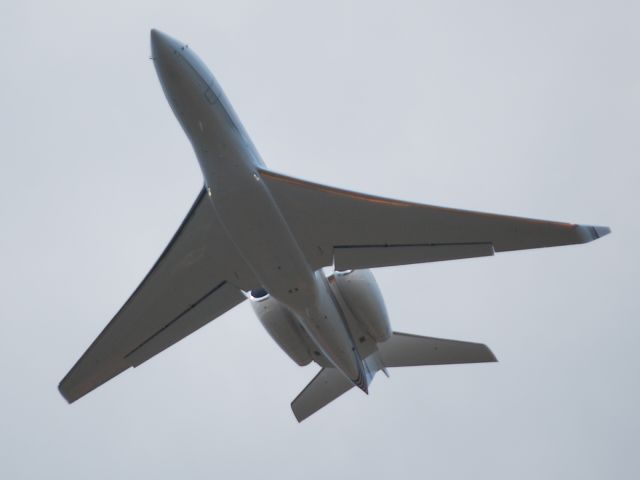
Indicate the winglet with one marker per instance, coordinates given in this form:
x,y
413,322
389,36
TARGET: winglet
x,y
588,233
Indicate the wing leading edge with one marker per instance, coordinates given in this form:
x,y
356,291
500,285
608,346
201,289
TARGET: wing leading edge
x,y
355,230
186,288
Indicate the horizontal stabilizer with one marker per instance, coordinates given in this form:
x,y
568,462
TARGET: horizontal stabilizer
x,y
404,350
401,350
325,387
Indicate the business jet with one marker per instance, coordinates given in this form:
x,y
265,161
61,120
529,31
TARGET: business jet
x,y
298,251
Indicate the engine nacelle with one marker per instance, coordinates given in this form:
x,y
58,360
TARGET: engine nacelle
x,y
282,326
362,295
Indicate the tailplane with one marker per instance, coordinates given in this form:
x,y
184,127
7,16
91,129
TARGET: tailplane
x,y
325,387
405,350
401,350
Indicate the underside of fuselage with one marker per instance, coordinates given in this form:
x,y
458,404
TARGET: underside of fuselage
x,y
244,205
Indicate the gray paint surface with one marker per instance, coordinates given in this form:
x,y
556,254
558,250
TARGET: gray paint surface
x,y
528,110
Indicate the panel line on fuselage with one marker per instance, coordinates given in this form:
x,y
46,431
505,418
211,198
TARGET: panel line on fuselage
x,y
209,88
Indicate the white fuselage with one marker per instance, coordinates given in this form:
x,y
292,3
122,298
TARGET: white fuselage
x,y
245,207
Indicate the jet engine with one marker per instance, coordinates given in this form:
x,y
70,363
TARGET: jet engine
x,y
282,325
361,293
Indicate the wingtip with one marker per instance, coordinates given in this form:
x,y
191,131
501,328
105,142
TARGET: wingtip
x,y
297,413
602,231
589,233
490,356
65,394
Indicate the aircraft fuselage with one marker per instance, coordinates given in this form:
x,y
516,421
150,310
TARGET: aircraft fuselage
x,y
244,205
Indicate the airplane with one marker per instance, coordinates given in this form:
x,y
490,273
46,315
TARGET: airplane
x,y
259,235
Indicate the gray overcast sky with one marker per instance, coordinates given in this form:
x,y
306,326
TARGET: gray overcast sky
x,y
525,108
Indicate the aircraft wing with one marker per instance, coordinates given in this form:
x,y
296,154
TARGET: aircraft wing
x,y
186,288
353,230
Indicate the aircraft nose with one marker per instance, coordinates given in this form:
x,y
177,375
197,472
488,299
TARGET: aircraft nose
x,y
163,45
